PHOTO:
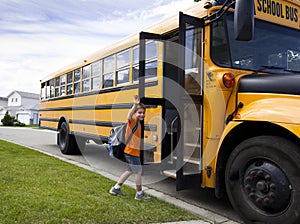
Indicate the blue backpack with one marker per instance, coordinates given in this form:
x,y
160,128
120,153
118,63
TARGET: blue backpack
x,y
117,141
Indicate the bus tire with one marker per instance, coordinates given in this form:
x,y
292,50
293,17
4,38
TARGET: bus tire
x,y
67,142
263,182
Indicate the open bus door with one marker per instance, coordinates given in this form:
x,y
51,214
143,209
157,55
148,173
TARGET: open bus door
x,y
159,102
190,75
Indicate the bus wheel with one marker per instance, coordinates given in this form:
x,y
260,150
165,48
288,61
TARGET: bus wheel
x,y
263,182
67,143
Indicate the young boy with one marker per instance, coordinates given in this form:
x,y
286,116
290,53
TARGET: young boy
x,y
132,151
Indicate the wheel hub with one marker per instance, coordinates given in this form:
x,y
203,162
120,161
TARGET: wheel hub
x,y
267,187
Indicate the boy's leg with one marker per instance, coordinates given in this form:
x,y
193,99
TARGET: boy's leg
x,y
138,181
116,189
140,195
124,177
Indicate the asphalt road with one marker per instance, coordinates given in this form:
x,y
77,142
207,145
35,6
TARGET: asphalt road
x,y
96,156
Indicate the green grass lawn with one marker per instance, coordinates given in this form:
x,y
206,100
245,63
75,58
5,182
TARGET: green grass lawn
x,y
36,188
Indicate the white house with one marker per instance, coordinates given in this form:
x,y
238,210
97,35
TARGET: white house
x,y
24,106
3,105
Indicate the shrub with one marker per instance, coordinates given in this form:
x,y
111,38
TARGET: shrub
x,y
8,120
19,123
11,121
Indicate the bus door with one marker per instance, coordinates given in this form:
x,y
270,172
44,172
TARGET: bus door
x,y
190,78
156,158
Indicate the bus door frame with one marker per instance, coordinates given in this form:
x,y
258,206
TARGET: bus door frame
x,y
186,181
146,100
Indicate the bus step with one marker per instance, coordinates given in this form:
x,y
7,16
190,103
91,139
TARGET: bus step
x,y
170,173
190,159
192,145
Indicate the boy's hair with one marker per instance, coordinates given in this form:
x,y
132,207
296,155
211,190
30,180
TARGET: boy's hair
x,y
140,106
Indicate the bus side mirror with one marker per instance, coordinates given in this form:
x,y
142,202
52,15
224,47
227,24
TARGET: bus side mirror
x,y
244,20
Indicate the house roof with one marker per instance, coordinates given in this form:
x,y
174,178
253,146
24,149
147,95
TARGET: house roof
x,y
3,98
25,94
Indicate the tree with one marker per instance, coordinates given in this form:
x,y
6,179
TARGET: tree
x,y
8,120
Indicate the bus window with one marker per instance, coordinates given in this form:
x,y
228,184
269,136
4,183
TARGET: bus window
x,y
151,50
135,63
63,85
69,83
108,80
192,61
123,60
86,76
151,69
43,90
96,73
48,89
51,88
108,71
57,80
219,47
77,80
151,61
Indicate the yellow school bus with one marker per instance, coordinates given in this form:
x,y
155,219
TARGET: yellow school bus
x,y
221,83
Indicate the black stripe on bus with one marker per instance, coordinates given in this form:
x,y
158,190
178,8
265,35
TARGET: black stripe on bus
x,y
148,127
49,119
94,107
115,89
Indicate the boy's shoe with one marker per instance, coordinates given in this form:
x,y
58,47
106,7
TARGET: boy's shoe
x,y
116,192
142,196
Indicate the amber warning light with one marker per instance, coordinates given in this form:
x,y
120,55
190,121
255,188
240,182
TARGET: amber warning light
x,y
228,80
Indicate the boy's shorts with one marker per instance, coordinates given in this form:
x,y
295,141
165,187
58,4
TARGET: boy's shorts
x,y
133,163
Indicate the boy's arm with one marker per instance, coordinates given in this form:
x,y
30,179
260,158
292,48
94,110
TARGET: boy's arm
x,y
136,101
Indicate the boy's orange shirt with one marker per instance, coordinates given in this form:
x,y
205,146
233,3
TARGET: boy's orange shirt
x,y
133,147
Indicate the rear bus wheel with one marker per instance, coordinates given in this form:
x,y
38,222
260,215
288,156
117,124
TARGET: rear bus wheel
x,y
263,181
67,142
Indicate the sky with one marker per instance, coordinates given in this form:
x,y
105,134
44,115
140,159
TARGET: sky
x,y
38,37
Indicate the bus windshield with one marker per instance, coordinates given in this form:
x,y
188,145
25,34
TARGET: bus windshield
x,y
274,48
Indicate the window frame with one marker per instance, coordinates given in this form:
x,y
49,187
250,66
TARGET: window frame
x,y
69,83
62,88
77,71
57,86
97,75
109,73
86,78
124,67
148,61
